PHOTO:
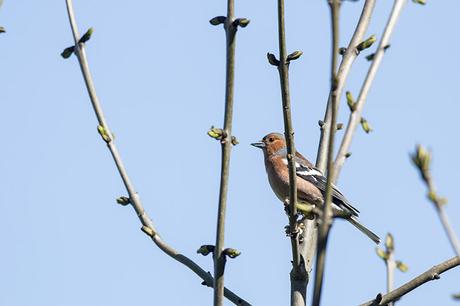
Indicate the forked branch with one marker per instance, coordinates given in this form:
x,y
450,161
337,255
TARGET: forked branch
x,y
355,114
344,69
133,200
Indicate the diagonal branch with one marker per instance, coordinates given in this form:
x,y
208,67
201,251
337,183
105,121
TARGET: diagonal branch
x,y
429,275
355,115
342,74
147,224
448,229
422,160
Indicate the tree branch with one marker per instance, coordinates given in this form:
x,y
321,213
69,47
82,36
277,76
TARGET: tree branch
x,y
422,160
355,115
147,224
342,74
298,274
429,275
390,268
448,229
326,216
227,140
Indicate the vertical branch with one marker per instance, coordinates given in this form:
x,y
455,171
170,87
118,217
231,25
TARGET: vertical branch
x,y
134,200
387,256
355,115
227,140
283,69
348,58
298,275
390,268
334,6
326,219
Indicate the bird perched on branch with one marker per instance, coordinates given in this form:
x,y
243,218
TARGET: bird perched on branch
x,y
311,183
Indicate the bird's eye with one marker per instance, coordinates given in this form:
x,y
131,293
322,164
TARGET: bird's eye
x,y
270,139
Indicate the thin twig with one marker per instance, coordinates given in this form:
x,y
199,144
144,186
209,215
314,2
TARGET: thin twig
x,y
422,160
226,143
390,268
391,264
448,229
355,116
326,216
342,74
439,206
429,275
134,200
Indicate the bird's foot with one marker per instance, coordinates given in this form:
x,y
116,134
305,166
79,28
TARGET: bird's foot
x,y
299,229
308,211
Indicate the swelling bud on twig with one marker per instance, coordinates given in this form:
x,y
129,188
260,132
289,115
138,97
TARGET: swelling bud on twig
x,y
367,43
342,50
232,253
366,126
234,141
433,197
148,231
456,296
339,126
272,59
86,36
389,242
350,101
242,22
401,266
371,56
218,20
123,200
205,249
104,134
2,30
421,159
216,133
68,52
347,155
381,253
422,2
294,55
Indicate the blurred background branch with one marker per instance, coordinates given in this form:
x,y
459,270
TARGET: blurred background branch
x,y
325,221
421,159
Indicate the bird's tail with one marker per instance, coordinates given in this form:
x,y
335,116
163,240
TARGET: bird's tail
x,y
353,220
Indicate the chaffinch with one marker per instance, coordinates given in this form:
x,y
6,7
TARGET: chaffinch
x,y
311,183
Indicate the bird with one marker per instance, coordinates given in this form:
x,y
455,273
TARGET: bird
x,y
311,183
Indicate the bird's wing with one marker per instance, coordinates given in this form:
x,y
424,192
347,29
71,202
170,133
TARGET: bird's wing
x,y
309,173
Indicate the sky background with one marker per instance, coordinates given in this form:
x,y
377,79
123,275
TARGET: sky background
x,y
159,72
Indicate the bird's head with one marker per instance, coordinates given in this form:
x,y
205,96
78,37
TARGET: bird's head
x,y
271,143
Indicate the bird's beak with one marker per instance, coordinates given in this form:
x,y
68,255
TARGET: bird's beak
x,y
259,145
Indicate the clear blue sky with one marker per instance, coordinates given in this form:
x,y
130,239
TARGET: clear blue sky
x,y
159,72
